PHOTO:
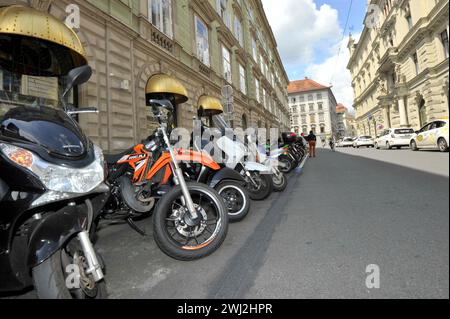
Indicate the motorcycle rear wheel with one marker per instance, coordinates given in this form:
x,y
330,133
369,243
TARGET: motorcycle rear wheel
x,y
172,233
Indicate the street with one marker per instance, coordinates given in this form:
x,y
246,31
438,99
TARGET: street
x,y
345,211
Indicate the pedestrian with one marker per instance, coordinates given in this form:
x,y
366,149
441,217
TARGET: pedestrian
x,y
312,140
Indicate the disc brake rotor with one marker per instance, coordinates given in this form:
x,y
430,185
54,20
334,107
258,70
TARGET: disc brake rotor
x,y
185,230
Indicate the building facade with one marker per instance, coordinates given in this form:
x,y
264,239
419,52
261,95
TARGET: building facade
x,y
400,66
205,44
313,108
345,122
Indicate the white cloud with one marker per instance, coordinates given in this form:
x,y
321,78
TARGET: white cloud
x,y
335,69
301,29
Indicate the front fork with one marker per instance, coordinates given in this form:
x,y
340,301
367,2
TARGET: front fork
x,y
95,268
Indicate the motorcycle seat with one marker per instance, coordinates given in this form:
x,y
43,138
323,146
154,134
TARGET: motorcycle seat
x,y
112,159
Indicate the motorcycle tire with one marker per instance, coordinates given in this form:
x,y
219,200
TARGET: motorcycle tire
x,y
288,163
50,281
236,200
279,184
265,188
164,210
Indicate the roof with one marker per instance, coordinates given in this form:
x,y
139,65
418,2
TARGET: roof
x,y
305,85
340,108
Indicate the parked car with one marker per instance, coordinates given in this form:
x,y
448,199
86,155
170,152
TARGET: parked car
x,y
347,142
394,137
364,141
434,136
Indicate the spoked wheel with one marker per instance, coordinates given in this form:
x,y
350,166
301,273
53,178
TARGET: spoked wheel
x,y
63,276
236,200
263,187
183,238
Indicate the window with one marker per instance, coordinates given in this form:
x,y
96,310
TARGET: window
x,y
303,119
242,79
310,97
264,98
410,21
294,100
320,106
294,109
226,56
238,31
319,96
322,129
322,117
302,98
444,39
312,119
160,13
202,41
303,108
254,53
416,63
311,107
223,12
257,93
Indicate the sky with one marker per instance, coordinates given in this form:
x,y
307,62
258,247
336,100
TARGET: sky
x,y
311,39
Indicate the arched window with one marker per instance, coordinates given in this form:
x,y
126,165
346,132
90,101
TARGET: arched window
x,y
244,122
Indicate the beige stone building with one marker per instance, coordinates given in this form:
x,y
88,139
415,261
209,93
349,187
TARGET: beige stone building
x,y
400,65
205,44
345,122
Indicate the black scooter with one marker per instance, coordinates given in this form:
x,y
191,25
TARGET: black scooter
x,y
51,188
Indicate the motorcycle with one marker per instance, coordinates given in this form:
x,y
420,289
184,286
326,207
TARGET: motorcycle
x,y
51,176
257,176
190,219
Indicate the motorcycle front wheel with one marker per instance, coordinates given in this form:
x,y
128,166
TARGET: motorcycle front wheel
x,y
236,200
263,187
51,278
182,238
279,182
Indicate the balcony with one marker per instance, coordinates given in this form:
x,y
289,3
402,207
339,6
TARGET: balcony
x,y
161,39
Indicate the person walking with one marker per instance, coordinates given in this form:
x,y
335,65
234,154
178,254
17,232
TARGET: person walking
x,y
312,140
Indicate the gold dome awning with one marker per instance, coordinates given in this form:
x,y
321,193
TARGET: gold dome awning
x,y
162,84
22,27
209,106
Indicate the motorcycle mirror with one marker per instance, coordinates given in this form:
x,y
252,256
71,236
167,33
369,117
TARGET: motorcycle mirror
x,y
76,77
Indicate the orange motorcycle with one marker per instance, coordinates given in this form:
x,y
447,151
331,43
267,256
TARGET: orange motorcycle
x,y
190,219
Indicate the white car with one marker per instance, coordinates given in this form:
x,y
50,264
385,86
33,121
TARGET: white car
x,y
346,142
394,137
364,141
433,136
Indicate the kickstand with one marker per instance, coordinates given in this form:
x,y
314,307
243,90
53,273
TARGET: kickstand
x,y
133,225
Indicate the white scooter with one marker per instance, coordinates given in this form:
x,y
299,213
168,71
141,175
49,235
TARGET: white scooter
x,y
258,176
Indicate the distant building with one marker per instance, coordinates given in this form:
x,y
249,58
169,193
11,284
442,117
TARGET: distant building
x,y
313,108
345,122
400,66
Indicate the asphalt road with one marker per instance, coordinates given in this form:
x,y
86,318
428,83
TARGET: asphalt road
x,y
345,211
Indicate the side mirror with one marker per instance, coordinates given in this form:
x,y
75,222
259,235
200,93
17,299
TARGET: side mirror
x,y
76,77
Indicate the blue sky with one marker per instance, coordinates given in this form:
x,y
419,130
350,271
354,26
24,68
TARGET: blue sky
x,y
309,34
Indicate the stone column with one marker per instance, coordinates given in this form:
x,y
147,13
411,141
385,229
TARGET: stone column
x,y
386,117
402,111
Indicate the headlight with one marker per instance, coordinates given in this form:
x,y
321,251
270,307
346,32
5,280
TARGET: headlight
x,y
58,178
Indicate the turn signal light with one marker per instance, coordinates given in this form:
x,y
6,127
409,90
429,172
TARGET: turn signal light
x,y
22,157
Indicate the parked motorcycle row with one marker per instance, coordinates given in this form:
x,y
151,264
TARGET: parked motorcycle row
x,y
56,185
